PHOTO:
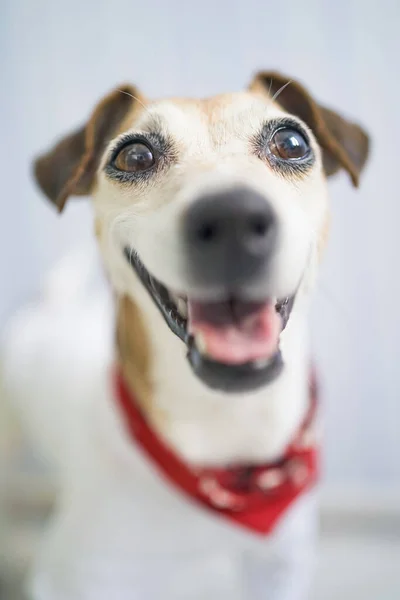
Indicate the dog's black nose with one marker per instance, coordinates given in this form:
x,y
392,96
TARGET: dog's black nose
x,y
230,237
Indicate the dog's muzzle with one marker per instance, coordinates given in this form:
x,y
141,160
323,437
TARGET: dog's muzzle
x,y
232,340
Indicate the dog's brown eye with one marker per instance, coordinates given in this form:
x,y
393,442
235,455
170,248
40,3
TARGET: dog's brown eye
x,y
289,144
134,158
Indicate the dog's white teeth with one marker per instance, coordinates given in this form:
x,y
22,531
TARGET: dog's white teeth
x,y
180,303
182,307
261,363
201,343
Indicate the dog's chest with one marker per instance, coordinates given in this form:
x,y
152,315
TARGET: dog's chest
x,y
119,518
123,494
249,430
116,494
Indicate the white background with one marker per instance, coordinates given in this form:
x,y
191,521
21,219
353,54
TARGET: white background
x,y
58,58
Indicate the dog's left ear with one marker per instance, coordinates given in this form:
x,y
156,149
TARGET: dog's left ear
x,y
70,167
344,145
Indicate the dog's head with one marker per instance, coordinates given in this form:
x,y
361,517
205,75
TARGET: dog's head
x,y
219,206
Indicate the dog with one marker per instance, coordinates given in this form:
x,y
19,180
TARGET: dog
x,y
187,459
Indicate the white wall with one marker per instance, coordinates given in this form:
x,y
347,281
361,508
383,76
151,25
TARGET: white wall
x,y
58,58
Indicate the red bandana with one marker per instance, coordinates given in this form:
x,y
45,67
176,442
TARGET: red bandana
x,y
253,496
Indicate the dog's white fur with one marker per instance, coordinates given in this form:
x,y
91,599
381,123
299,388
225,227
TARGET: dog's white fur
x,y
120,531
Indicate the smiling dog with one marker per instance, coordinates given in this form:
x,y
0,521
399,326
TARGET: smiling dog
x,y
188,473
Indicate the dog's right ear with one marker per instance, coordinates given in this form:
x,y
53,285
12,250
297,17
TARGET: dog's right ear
x,y
70,167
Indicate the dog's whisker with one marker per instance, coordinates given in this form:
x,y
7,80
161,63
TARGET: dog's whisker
x,y
135,98
278,93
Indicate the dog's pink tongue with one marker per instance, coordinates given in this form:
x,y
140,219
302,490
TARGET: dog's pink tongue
x,y
235,333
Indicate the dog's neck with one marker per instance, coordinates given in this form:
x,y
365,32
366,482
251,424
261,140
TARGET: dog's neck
x,y
203,426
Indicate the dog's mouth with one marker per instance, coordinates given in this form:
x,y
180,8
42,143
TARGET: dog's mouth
x,y
233,345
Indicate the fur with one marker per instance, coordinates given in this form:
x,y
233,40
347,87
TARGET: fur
x,y
120,531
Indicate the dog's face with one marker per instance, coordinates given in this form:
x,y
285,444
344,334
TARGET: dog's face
x,y
218,205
